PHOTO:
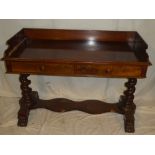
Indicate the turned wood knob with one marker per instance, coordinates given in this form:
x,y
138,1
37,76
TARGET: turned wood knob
x,y
42,68
107,71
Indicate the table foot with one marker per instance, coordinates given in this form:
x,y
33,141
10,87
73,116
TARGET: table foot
x,y
129,125
22,119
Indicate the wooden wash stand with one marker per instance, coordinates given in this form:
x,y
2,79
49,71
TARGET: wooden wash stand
x,y
77,53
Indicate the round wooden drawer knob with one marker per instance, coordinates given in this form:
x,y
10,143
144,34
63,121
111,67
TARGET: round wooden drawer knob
x,y
107,71
42,68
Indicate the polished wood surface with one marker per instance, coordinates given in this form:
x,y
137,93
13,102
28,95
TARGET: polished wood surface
x,y
69,69
91,53
77,53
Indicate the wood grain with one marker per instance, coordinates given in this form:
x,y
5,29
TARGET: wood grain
x,y
64,105
91,53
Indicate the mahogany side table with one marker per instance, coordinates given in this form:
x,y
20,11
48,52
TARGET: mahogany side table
x,y
89,53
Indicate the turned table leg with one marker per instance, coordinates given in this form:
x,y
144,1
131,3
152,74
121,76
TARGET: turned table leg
x,y
25,101
128,105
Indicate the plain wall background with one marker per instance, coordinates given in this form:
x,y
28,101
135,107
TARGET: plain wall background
x,y
79,88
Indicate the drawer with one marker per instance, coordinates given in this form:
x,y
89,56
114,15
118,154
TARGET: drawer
x,y
108,70
40,68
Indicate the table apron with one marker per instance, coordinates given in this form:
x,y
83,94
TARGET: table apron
x,y
98,70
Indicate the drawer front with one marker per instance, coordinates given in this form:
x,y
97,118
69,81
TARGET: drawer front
x,y
108,70
77,69
40,68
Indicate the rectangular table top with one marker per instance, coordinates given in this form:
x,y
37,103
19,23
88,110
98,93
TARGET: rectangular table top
x,y
86,51
113,48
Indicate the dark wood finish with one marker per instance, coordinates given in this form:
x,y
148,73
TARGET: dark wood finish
x,y
69,69
26,100
127,105
90,53
63,105
77,53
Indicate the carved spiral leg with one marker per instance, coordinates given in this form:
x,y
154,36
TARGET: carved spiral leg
x,y
26,100
129,106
